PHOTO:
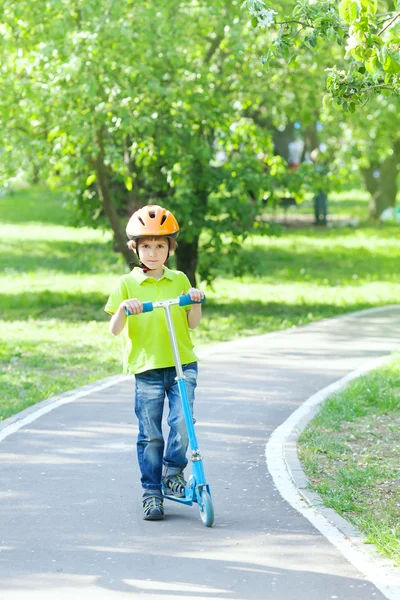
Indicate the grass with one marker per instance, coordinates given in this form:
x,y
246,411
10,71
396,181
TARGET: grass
x,y
351,205
350,454
55,279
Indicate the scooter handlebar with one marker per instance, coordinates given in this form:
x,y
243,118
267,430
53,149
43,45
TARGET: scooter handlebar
x,y
184,300
147,307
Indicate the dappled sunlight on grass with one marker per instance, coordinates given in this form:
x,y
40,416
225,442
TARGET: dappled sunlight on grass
x,y
56,257
350,204
55,280
41,358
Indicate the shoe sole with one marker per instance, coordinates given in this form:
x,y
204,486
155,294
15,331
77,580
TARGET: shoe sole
x,y
153,517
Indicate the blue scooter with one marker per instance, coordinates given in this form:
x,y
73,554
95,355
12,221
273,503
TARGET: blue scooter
x,y
197,490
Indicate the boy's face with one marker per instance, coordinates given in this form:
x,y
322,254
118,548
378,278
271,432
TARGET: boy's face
x,y
153,252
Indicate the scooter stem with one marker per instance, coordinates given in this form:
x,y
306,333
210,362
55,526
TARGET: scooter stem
x,y
174,345
180,377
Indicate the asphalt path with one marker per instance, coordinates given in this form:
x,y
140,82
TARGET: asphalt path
x,y
71,517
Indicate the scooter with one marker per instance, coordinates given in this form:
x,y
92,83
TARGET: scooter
x,y
196,490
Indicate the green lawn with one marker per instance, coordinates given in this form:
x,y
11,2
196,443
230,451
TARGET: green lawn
x,y
55,279
349,205
350,453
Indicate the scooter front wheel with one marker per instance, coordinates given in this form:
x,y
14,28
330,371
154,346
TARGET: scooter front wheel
x,y
206,509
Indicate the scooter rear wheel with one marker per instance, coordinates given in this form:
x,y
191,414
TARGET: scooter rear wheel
x,y
206,509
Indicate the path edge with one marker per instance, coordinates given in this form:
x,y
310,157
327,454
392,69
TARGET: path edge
x,y
292,483
28,415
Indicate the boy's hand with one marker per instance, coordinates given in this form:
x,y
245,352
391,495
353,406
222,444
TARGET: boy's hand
x,y
134,306
195,294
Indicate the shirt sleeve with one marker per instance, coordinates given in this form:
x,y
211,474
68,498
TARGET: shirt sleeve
x,y
119,294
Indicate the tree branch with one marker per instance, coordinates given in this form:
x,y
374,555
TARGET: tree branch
x,y
213,48
390,23
106,14
298,23
371,87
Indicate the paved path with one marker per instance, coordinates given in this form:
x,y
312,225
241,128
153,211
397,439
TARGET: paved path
x,y
70,520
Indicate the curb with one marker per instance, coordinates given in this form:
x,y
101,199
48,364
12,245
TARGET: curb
x,y
30,414
292,483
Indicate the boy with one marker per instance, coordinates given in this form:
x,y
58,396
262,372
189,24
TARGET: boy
x,y
152,231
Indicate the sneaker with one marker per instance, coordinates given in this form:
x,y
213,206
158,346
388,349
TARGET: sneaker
x,y
174,485
153,509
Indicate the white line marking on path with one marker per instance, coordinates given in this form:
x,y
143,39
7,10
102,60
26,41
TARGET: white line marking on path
x,y
375,567
13,424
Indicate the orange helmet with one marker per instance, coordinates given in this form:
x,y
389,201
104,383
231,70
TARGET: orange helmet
x,y
152,221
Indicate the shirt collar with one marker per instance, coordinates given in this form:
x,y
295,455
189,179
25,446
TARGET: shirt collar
x,y
140,277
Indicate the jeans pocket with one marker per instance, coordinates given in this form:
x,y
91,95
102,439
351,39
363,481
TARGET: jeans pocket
x,y
190,371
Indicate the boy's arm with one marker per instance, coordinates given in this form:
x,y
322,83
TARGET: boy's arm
x,y
194,314
117,321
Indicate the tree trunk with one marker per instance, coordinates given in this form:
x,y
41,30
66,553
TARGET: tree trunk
x,y
109,207
35,173
187,253
381,183
311,140
186,258
281,141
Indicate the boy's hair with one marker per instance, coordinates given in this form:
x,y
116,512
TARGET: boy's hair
x,y
134,244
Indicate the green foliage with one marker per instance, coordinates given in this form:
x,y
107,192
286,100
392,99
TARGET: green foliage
x,y
117,84
116,87
370,40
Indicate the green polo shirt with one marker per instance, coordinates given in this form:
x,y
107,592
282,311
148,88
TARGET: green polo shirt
x,y
146,340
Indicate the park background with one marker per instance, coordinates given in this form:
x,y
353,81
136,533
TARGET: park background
x,y
214,110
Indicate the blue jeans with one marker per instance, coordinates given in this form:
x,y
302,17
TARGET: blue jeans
x,y
151,388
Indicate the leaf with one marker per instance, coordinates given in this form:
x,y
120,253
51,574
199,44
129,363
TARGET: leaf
x,y
389,59
53,133
348,10
343,9
128,183
326,100
330,34
372,64
91,179
369,6
359,53
392,63
378,40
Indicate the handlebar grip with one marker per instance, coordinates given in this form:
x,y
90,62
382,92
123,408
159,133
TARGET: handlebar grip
x,y
186,300
147,307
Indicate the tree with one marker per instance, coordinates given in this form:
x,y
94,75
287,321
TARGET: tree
x,y
369,32
370,141
357,43
113,102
